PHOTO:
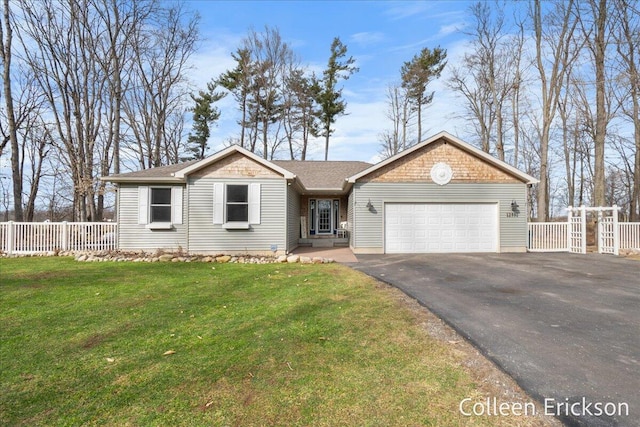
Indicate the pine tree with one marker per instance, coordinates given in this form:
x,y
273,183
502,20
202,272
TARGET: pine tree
x,y
416,76
329,97
204,116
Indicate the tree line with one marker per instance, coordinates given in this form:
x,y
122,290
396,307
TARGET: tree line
x,y
89,85
553,90
281,104
94,87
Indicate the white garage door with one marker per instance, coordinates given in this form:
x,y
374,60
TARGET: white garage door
x,y
441,227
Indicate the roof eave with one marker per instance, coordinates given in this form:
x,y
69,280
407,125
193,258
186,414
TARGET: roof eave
x,y
132,179
325,191
227,152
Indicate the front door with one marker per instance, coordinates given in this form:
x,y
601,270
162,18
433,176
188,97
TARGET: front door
x,y
325,217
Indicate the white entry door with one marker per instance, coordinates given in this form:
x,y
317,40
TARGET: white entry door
x,y
441,227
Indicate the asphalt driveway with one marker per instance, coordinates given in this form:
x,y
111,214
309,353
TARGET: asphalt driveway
x,y
565,327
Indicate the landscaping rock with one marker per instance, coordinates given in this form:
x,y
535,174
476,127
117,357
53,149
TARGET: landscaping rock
x,y
165,257
317,260
293,259
305,260
282,258
223,259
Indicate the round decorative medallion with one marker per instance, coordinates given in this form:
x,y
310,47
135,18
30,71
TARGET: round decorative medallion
x,y
441,173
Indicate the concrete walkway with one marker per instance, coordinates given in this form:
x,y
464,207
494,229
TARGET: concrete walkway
x,y
341,255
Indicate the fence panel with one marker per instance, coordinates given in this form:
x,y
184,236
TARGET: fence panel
x,y
35,237
548,237
607,236
4,236
629,235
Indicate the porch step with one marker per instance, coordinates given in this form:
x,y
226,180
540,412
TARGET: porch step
x,y
322,243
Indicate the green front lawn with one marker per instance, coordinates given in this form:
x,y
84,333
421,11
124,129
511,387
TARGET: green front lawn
x,y
87,343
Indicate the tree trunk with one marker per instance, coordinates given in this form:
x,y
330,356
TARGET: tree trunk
x,y
5,46
599,48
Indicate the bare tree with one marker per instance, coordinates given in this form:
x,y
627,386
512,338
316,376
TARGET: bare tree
x,y
272,59
57,45
594,19
553,56
300,111
628,50
490,76
6,41
158,89
400,113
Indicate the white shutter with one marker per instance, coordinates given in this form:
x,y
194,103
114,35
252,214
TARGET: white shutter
x,y
176,205
254,203
143,205
218,203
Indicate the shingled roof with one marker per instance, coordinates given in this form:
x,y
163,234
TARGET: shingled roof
x,y
322,175
157,172
311,175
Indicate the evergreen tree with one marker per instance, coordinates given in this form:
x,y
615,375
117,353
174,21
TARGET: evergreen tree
x,y
329,97
238,81
204,116
416,76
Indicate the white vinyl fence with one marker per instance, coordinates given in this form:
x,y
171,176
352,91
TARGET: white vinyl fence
x,y
38,237
555,236
629,235
548,237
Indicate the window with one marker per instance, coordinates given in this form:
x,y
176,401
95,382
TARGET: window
x,y
160,208
160,205
237,206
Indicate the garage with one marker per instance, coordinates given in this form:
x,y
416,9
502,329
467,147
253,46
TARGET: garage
x,y
441,227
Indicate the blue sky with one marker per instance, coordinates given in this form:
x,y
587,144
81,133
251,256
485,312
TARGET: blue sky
x,y
379,35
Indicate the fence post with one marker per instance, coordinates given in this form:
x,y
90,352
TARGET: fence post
x,y
569,222
10,237
65,236
599,232
583,226
616,232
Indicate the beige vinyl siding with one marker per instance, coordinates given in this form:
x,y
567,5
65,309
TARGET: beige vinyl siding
x,y
206,237
293,218
369,226
133,236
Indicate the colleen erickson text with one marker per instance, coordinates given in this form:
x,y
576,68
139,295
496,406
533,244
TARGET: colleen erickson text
x,y
491,407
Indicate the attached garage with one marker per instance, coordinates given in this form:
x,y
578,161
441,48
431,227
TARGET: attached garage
x,y
440,196
441,227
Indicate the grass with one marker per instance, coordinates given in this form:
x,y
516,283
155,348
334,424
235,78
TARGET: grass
x,y
85,344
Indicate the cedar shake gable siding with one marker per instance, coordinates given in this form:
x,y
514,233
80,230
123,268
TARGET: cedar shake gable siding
x,y
416,167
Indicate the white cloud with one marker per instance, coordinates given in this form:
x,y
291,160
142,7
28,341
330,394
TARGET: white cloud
x,y
402,10
367,38
213,58
448,29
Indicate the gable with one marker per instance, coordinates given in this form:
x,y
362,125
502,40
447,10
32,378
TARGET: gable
x,y
235,165
416,166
